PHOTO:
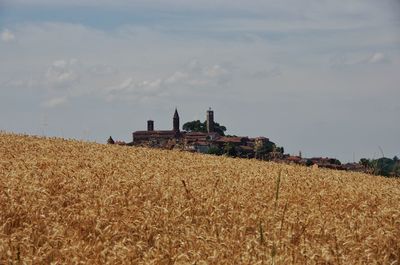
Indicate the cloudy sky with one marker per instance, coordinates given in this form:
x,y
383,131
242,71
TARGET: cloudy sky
x,y
320,76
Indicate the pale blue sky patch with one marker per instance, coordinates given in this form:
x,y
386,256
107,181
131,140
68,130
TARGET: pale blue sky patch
x,y
317,76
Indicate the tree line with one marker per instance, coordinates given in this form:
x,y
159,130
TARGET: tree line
x,y
382,166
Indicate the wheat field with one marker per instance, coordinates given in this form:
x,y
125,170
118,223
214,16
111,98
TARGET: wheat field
x,y
71,202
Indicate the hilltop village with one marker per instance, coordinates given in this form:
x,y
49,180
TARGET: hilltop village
x,y
213,141
210,141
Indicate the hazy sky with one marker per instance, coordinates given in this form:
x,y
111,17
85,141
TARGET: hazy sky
x,y
320,76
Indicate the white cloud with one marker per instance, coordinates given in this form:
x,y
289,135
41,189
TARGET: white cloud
x,y
359,59
126,84
7,36
62,73
378,58
215,71
194,66
262,74
152,85
132,89
102,69
138,65
192,75
55,102
176,77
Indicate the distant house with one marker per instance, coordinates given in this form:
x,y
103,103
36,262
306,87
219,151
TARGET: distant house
x,y
199,141
293,159
354,167
237,141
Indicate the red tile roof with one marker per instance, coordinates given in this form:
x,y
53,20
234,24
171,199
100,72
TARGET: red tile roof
x,y
200,136
153,134
238,140
293,158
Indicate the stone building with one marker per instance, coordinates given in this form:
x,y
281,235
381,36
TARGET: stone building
x,y
160,138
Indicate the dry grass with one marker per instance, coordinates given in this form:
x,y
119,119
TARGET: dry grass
x,y
73,202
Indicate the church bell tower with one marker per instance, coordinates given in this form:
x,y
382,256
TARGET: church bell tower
x,y
210,121
176,121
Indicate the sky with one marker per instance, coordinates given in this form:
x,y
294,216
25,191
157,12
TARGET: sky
x,y
317,76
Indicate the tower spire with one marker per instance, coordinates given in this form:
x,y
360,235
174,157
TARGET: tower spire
x,y
176,121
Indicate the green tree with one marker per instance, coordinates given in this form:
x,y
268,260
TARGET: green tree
x,y
365,162
198,126
280,149
220,129
230,150
396,170
214,150
194,126
261,152
383,166
335,161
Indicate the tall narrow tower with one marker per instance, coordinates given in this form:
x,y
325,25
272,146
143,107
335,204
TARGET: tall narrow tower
x,y
150,125
210,120
176,121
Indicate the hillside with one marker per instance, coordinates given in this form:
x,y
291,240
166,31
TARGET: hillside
x,y
65,201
